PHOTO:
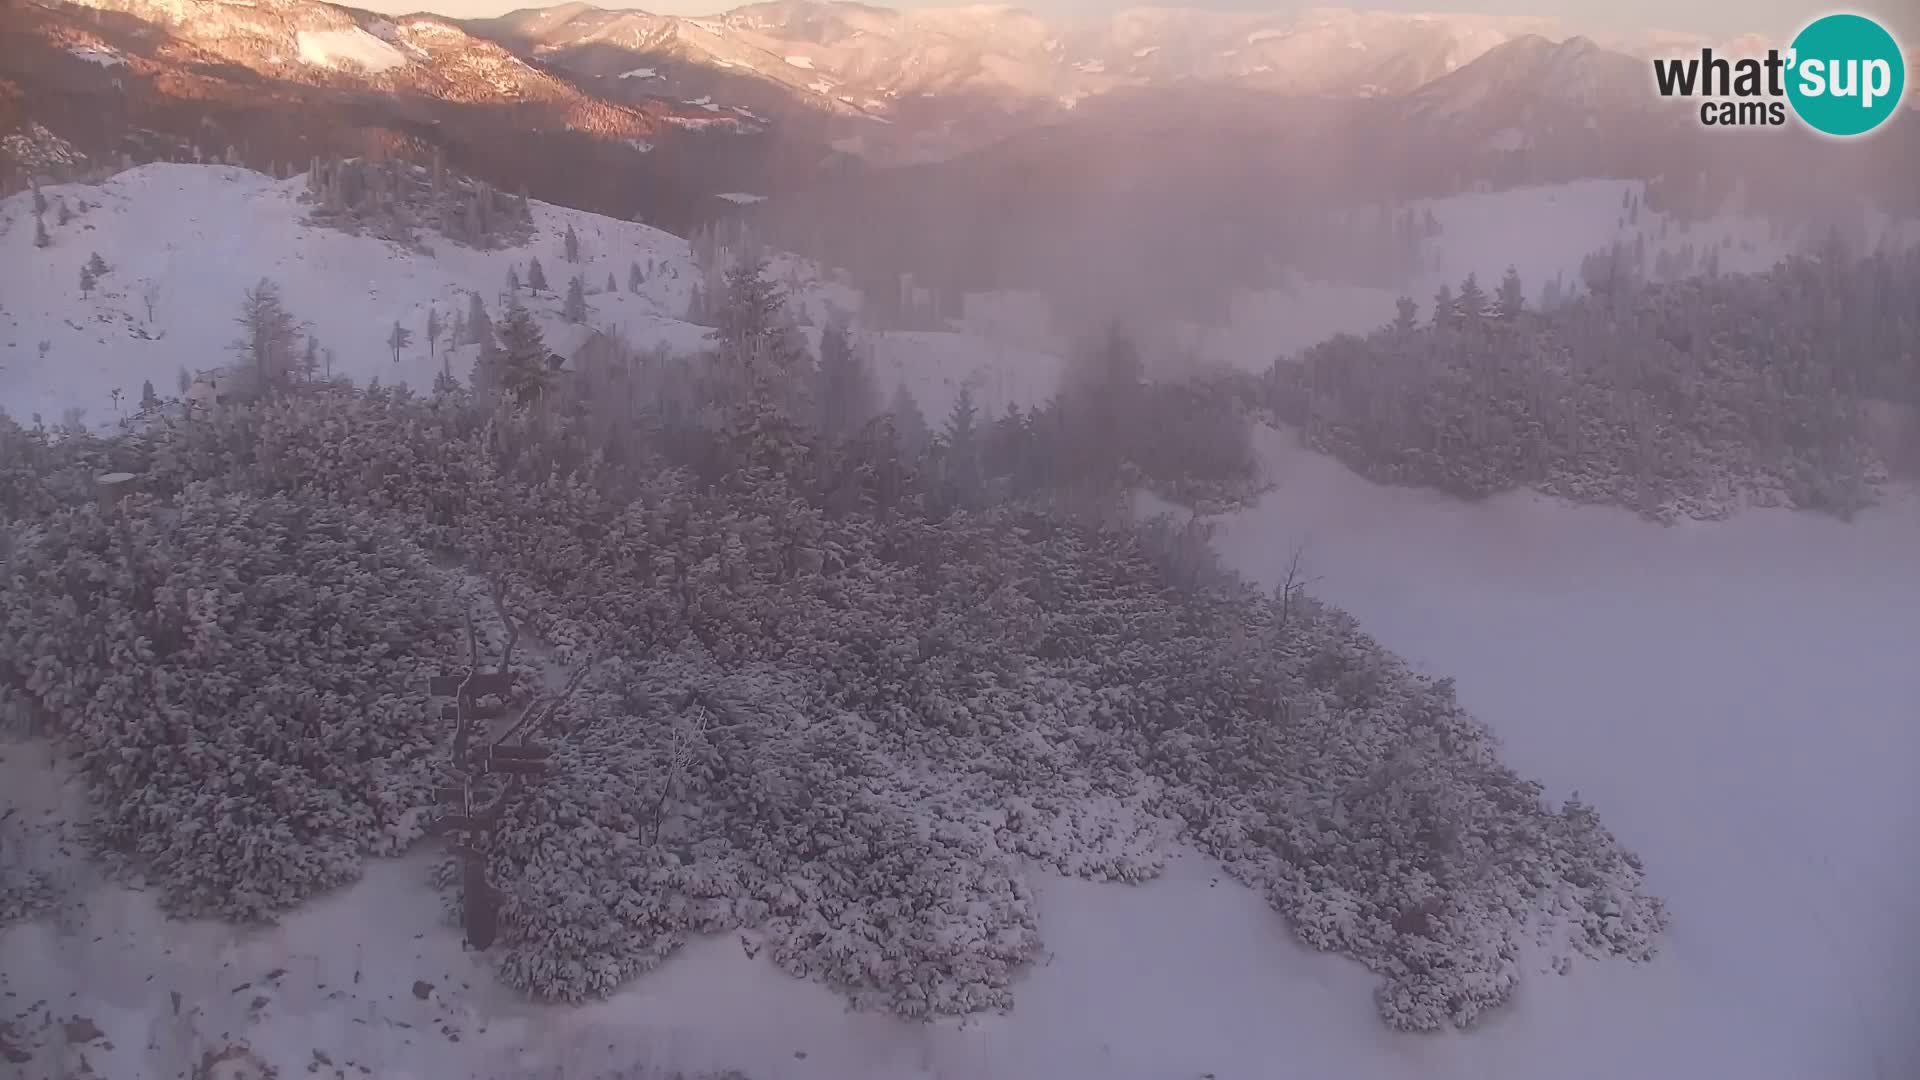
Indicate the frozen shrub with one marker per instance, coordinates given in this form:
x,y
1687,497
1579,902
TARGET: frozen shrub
x,y
702,801
1195,445
240,681
42,470
818,718
1035,687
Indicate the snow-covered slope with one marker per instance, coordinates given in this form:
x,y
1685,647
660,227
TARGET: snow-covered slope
x,y
198,236
1533,73
1735,697
329,48
201,235
1322,50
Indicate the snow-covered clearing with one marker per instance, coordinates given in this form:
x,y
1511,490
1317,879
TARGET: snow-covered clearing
x,y
98,54
640,73
1544,231
934,366
1020,317
742,198
804,63
328,48
704,123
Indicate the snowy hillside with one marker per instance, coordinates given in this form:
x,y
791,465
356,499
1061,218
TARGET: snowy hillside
x,y
196,237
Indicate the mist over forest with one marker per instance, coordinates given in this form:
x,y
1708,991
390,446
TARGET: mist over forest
x,y
825,541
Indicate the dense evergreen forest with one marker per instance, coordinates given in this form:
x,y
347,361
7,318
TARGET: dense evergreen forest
x,y
838,670
1691,397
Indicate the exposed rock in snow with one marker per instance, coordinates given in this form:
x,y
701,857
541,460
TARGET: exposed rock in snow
x,y
98,54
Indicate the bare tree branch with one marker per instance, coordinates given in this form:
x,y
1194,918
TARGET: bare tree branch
x,y
1294,583
678,758
533,721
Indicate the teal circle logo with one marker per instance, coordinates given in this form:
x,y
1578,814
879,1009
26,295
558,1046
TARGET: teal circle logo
x,y
1846,75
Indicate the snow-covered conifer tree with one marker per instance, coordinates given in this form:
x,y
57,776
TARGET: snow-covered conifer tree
x,y
574,307
523,353
267,335
398,338
479,327
1512,295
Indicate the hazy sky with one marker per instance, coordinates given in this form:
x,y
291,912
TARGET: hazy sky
x,y
1713,17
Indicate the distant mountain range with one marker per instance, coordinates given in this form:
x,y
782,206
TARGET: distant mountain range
x,y
853,117
924,84
884,84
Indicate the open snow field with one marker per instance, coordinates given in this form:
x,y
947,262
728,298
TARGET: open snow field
x,y
198,236
1738,701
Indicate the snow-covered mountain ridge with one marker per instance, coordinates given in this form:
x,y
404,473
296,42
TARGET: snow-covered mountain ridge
x,y
919,83
891,53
